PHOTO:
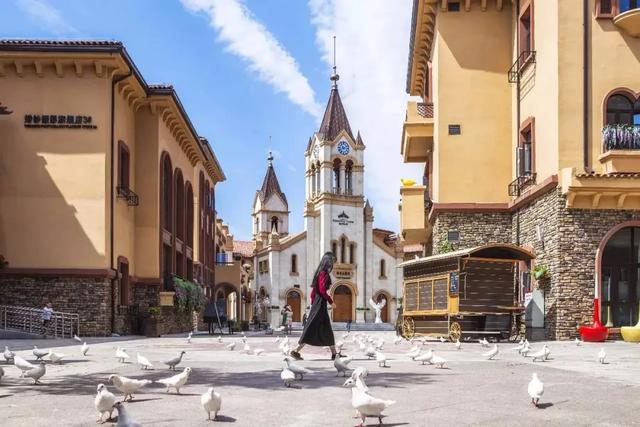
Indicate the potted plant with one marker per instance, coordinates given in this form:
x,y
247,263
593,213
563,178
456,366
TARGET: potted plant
x,y
540,272
150,322
446,246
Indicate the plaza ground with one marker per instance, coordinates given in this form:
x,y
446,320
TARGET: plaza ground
x,y
472,391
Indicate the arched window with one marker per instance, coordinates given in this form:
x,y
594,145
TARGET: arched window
x,y
256,228
621,110
383,268
123,280
179,205
343,250
318,186
201,218
167,187
352,253
294,263
334,249
337,164
189,228
313,180
274,223
348,177
166,219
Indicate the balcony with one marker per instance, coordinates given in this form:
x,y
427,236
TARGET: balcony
x,y
629,22
229,272
414,207
128,195
417,132
522,62
521,183
621,149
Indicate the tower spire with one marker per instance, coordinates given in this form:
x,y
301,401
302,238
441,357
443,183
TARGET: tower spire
x,y
335,76
270,158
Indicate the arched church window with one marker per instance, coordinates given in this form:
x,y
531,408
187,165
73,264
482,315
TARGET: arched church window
x,y
348,177
274,224
294,263
337,165
352,253
343,250
257,225
313,180
334,249
383,268
318,177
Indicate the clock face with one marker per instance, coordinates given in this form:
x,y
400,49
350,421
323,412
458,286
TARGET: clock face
x,y
316,151
343,147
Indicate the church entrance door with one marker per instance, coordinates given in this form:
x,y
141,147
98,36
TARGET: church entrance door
x,y
293,299
343,299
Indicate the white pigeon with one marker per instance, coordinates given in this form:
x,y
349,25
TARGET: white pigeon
x,y
231,346
365,404
380,344
425,357
189,337
602,356
36,373
540,354
286,350
8,355
143,362
491,353
84,349
104,402
339,346
127,386
370,352
121,355
362,346
77,338
220,339
360,372
172,363
55,357
22,364
381,359
287,376
526,350
246,349
578,342
398,340
342,364
258,351
345,336
277,339
535,389
414,352
438,361
484,342
39,353
519,347
176,381
211,402
244,338
124,419
442,340
458,345
547,352
296,369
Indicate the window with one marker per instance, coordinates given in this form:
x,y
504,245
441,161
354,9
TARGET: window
x,y
605,9
526,148
525,27
352,253
383,268
625,5
123,285
337,164
167,187
453,235
318,177
123,165
179,205
274,224
294,263
313,180
334,249
189,219
623,110
348,177
343,250
453,6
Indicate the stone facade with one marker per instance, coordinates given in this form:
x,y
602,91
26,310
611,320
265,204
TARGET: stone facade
x,y
476,229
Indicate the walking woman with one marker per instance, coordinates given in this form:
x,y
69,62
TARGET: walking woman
x,y
317,330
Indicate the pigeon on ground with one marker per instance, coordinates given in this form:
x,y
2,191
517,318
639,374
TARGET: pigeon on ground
x,y
121,355
492,353
484,342
127,386
55,357
189,337
578,342
526,350
124,419
398,340
535,389
345,336
244,338
380,344
211,402
370,352
143,362
84,349
22,364
8,355
287,376
342,364
540,354
286,350
458,345
172,363
365,404
39,353
339,346
104,402
176,381
381,359
438,361
36,373
277,339
519,347
258,351
414,352
442,340
425,357
77,338
1,373
246,348
360,372
602,356
220,339
231,346
296,369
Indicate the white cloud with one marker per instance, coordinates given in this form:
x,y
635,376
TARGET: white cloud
x,y
47,15
247,38
372,51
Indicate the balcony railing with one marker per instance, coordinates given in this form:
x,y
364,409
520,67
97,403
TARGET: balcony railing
x,y
525,58
620,137
342,191
128,195
425,109
518,185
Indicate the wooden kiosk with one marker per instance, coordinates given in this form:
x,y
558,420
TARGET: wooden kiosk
x,y
469,292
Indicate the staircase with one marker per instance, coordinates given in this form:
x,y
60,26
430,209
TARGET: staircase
x,y
26,320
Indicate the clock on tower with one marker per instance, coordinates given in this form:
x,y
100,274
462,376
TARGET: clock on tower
x,y
343,147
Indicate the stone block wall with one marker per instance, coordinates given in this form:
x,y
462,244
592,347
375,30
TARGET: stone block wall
x,y
476,228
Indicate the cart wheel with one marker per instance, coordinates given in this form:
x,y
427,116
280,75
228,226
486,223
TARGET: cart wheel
x,y
408,328
455,331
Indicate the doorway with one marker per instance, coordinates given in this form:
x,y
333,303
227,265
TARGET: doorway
x,y
344,303
294,300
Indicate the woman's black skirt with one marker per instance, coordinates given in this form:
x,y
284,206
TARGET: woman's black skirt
x,y
317,331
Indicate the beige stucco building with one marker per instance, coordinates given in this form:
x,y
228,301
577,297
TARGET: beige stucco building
x,y
526,121
107,188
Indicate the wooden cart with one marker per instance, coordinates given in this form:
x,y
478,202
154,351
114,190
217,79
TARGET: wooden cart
x,y
470,292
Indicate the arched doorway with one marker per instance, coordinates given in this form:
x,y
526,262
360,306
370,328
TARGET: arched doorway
x,y
294,299
384,313
343,299
620,277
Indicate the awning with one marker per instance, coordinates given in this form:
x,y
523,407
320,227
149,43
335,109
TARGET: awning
x,y
494,250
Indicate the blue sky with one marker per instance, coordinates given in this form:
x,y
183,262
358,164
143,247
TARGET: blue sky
x,y
249,69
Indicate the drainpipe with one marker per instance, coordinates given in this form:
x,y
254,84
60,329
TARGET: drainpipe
x,y
112,204
518,92
585,86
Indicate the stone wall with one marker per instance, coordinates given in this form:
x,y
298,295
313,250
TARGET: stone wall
x,y
89,297
475,229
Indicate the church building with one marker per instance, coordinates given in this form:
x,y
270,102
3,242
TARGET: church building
x,y
337,218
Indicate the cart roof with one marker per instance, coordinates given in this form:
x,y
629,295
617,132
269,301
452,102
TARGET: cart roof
x,y
493,250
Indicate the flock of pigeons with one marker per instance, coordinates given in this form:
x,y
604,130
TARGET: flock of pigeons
x,y
364,403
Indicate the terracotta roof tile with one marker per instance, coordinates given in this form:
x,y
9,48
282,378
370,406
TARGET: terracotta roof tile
x,y
609,175
244,248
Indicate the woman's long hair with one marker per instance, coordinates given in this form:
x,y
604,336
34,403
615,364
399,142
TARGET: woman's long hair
x,y
326,265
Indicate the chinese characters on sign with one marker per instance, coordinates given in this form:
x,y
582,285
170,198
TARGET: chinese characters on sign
x,y
67,121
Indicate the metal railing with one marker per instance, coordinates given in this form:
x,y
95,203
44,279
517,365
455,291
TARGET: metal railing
x,y
128,194
26,319
518,185
525,58
425,109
